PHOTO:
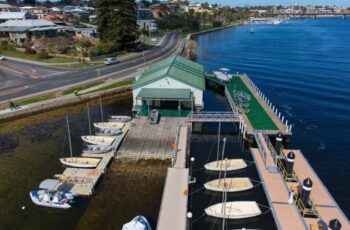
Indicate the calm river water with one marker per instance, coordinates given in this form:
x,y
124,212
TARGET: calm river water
x,y
303,66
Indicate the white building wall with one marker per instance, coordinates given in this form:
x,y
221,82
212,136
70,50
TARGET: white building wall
x,y
170,83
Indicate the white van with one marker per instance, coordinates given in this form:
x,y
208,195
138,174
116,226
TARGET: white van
x,y
109,61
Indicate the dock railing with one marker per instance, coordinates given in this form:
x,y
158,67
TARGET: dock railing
x,y
176,147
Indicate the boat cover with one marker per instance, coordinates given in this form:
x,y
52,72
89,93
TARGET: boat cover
x,y
49,184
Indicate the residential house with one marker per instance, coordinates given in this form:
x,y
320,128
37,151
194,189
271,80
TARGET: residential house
x,y
4,16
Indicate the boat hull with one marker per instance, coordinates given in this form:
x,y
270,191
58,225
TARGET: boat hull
x,y
98,140
118,125
234,210
36,201
226,165
80,162
229,184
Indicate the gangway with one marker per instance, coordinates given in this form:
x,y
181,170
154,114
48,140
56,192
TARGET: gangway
x,y
212,116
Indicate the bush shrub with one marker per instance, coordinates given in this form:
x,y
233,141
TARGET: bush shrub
x,y
42,54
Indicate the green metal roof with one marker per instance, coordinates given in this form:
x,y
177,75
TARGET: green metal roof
x,y
167,94
176,67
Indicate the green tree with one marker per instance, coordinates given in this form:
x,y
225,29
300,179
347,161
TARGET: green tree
x,y
116,23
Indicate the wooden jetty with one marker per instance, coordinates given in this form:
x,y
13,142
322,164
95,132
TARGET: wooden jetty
x,y
326,205
83,181
173,210
150,141
278,189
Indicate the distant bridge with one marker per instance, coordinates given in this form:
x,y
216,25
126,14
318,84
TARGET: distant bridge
x,y
311,15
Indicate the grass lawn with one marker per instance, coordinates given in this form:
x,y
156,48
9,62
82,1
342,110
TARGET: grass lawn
x,y
34,99
33,57
114,85
71,90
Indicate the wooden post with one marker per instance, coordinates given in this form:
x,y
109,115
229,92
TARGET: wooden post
x,y
148,105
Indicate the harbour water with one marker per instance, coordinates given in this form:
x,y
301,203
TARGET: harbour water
x,y
303,67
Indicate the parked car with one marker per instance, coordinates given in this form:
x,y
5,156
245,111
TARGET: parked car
x,y
2,58
109,61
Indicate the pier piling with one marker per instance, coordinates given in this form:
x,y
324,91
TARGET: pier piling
x,y
306,190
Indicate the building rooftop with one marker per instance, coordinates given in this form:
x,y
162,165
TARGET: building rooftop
x,y
12,15
176,67
27,23
146,93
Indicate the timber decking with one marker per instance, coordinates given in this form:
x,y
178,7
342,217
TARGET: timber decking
x,y
287,216
323,200
173,210
150,141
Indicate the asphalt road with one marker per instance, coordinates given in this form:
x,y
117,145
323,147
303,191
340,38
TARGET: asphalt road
x,y
23,79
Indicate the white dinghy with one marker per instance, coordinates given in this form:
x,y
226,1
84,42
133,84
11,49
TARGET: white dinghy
x,y
118,125
234,210
108,132
235,184
52,186
98,140
232,164
138,223
49,199
119,118
97,149
221,76
80,162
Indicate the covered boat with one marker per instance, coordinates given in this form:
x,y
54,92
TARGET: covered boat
x,y
108,131
119,118
118,125
80,162
235,184
221,76
226,165
234,210
49,199
138,223
97,148
98,140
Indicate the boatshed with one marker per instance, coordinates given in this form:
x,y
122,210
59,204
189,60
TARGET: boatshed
x,y
174,86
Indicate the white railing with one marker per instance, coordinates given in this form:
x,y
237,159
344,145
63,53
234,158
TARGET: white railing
x,y
213,116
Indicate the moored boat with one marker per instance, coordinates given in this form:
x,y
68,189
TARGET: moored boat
x,y
108,131
221,76
118,125
226,165
234,210
236,184
80,162
97,148
49,199
119,118
98,140
138,223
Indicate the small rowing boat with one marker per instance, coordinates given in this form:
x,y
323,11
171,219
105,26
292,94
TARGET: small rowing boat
x,y
119,118
226,165
98,140
234,210
138,223
80,162
108,132
118,125
235,184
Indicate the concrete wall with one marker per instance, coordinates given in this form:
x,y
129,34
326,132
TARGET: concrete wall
x,y
169,83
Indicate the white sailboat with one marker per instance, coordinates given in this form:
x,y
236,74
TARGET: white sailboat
x,y
236,184
234,210
233,164
98,140
97,149
118,125
108,131
80,162
77,162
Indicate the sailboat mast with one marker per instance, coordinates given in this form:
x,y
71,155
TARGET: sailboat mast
x,y
70,141
218,149
88,113
101,108
225,197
